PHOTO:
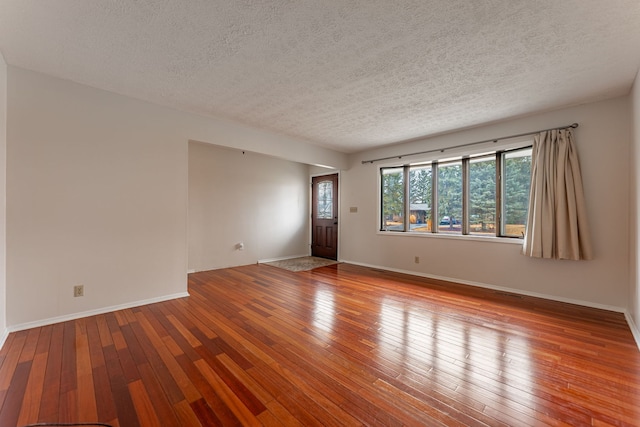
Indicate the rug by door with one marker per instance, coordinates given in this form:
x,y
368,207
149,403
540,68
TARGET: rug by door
x,y
302,264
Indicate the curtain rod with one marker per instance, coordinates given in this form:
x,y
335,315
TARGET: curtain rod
x,y
573,126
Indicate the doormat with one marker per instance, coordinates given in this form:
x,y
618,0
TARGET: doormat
x,y
302,264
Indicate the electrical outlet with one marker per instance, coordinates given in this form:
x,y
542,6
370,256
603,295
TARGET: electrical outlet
x,y
416,260
78,291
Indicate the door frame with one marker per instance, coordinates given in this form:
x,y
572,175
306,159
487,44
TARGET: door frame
x,y
315,175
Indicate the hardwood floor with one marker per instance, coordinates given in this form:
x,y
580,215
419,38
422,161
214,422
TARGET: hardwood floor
x,y
341,345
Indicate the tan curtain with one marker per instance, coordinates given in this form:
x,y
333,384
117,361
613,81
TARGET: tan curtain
x,y
557,221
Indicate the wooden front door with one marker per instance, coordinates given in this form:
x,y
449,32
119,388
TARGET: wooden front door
x,y
324,216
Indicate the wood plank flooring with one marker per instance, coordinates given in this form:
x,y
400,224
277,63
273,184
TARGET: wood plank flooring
x,y
338,346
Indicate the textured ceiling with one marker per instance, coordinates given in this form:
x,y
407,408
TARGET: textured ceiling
x,y
345,74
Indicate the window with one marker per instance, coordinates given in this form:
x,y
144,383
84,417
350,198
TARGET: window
x,y
449,186
420,191
516,185
482,195
325,200
393,199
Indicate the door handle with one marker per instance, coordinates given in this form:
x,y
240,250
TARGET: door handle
x,y
335,223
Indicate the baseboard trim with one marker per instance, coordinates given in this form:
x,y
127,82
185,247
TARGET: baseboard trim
x,y
50,321
495,288
74,316
263,261
635,331
4,337
634,328
260,261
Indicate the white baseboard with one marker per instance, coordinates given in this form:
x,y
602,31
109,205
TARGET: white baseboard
x,y
74,316
634,328
262,261
4,337
496,288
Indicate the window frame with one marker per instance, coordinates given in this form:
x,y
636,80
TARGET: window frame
x,y
465,160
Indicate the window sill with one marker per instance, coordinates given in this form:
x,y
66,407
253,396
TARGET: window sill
x,y
466,237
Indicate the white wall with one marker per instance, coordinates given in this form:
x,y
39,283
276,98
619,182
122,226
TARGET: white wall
x,y
634,198
603,140
245,197
3,198
97,188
